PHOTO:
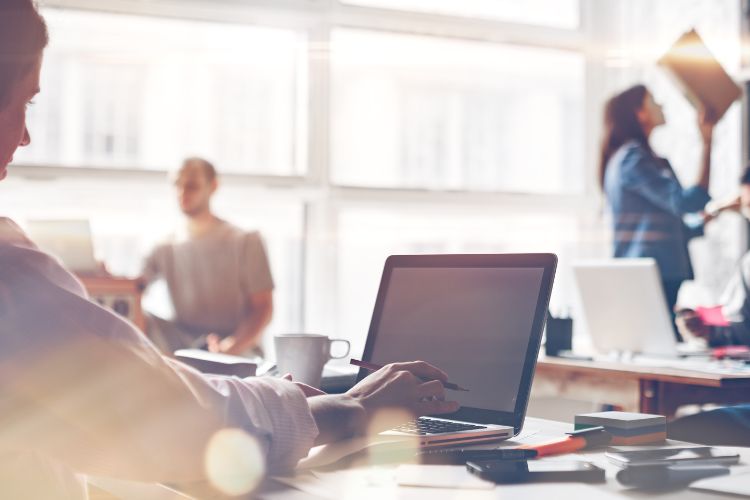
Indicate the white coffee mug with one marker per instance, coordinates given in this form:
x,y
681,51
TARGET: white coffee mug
x,y
304,355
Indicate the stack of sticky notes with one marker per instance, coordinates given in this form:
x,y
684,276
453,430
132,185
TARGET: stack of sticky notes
x,y
626,428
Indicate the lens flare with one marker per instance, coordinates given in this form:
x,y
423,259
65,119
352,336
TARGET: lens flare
x,y
385,448
234,462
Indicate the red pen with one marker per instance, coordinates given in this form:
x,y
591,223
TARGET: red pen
x,y
576,440
373,367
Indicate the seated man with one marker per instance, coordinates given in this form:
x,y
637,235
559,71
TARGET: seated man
x,y
218,276
83,392
735,301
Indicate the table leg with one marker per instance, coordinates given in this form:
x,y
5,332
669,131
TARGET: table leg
x,y
650,397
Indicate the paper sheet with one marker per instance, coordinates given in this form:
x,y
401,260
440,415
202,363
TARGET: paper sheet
x,y
373,483
320,456
440,476
737,483
130,490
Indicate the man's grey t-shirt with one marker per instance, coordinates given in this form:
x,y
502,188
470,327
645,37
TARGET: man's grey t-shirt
x,y
211,277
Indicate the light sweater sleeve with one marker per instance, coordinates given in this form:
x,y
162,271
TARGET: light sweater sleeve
x,y
87,388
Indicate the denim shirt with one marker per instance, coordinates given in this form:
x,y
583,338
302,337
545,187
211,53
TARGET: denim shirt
x,y
651,210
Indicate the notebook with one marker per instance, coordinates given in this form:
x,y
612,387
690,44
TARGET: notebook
x,y
699,75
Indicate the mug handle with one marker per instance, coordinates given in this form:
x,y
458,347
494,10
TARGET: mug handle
x,y
348,348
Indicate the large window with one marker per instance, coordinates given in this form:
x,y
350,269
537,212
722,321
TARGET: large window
x,y
349,130
367,236
419,112
638,34
557,13
142,92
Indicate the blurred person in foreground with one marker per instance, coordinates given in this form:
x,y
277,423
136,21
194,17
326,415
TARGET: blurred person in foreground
x,y
218,275
83,392
731,322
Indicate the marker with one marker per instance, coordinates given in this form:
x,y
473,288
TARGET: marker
x,y
373,367
577,440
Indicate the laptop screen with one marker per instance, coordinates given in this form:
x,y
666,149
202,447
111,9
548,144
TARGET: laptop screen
x,y
475,323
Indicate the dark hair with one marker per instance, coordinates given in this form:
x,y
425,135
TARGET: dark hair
x,y
23,37
621,124
745,177
208,168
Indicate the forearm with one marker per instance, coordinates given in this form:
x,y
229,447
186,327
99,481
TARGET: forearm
x,y
338,416
704,176
246,336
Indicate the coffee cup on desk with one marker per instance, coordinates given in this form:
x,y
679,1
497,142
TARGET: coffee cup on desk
x,y
304,355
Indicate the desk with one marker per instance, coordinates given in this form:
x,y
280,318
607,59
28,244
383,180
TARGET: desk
x,y
559,491
647,389
122,295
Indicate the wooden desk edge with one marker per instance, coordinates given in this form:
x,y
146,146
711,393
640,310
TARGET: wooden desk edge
x,y
635,372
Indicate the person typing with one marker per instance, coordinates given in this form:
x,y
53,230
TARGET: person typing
x,y
83,392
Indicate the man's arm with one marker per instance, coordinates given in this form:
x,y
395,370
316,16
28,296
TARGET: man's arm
x,y
247,335
706,125
151,269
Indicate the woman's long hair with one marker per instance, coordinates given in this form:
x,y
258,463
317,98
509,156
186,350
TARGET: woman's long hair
x,y
621,124
23,37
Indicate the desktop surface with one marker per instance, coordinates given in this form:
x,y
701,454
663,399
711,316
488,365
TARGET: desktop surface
x,y
535,430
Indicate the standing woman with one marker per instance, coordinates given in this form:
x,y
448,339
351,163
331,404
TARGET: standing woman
x,y
648,203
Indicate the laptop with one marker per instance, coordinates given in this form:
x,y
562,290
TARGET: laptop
x,y
68,240
625,308
477,317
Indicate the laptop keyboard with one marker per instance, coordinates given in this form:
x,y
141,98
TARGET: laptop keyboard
x,y
424,426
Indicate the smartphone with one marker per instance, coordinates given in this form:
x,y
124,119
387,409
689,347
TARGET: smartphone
x,y
698,455
523,471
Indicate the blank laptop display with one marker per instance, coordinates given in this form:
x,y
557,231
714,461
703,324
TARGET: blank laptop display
x,y
477,317
624,306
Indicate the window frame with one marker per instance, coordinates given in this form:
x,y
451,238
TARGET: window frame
x,y
318,18
321,199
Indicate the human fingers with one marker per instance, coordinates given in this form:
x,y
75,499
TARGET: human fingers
x,y
226,344
213,343
433,389
421,369
436,407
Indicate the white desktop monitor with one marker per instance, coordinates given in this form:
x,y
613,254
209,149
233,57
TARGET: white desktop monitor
x,y
68,240
624,306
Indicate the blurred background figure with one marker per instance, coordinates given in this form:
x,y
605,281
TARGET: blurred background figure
x,y
730,322
653,215
218,275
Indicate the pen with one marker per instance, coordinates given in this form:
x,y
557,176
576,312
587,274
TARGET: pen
x,y
577,440
651,477
373,367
